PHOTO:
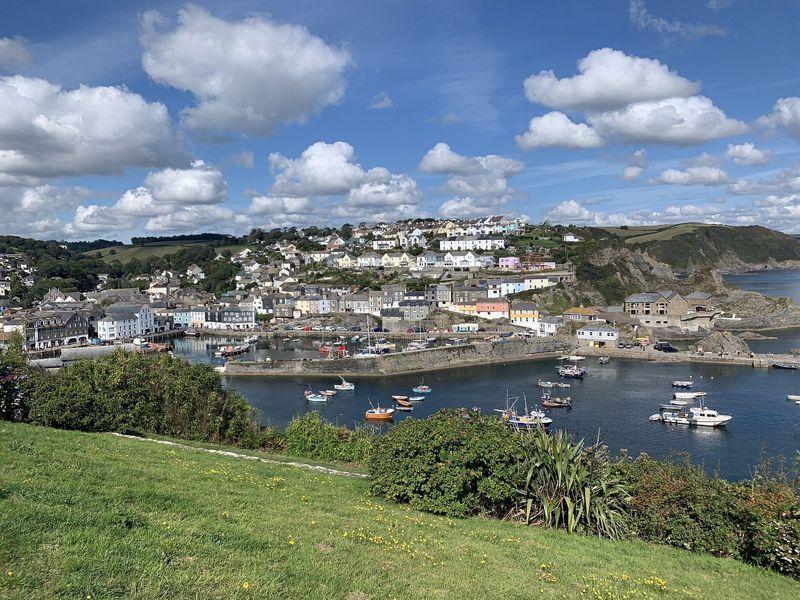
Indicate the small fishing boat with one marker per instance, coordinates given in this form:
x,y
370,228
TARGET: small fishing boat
x,y
379,414
250,339
603,360
795,397
551,402
404,408
689,395
545,384
327,393
422,388
232,350
345,386
316,398
400,398
682,384
785,365
559,384
417,398
572,371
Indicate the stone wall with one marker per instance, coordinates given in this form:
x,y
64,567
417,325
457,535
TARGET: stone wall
x,y
432,359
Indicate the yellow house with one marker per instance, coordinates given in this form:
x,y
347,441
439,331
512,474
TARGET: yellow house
x,y
524,314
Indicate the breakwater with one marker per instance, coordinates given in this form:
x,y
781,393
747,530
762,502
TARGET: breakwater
x,y
504,350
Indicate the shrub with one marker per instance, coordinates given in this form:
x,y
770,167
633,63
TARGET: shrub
x,y
456,462
571,487
309,436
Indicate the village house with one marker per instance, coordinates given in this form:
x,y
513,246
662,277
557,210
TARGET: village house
x,y
125,321
48,329
548,326
231,317
195,274
524,314
472,243
384,244
662,308
369,260
414,310
509,263
579,313
492,308
598,335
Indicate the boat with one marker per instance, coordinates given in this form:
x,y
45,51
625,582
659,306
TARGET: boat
x,y
327,393
250,339
190,333
545,384
550,402
379,414
417,398
400,398
559,384
576,358
422,388
603,360
325,349
689,395
345,386
682,384
232,350
698,416
785,365
402,402
404,408
572,371
219,368
316,398
678,402
795,397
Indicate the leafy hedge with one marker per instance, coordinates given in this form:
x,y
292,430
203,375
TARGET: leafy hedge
x,y
310,436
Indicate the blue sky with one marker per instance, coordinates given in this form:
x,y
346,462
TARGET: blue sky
x,y
166,117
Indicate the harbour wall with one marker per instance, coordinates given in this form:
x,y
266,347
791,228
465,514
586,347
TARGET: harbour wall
x,y
432,359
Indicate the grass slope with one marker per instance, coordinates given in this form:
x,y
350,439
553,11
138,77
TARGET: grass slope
x,y
125,254
96,516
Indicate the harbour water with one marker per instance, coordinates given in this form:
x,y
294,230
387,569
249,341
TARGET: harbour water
x,y
613,402
782,283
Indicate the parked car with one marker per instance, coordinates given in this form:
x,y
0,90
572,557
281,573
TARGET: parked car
x,y
665,347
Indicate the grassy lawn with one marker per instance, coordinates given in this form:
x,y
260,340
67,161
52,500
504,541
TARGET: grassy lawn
x,y
97,516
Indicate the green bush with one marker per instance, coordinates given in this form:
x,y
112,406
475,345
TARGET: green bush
x,y
456,462
571,487
309,436
141,392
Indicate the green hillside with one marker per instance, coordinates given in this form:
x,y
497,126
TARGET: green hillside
x,y
98,516
125,254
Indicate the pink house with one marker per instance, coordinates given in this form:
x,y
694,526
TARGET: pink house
x,y
510,263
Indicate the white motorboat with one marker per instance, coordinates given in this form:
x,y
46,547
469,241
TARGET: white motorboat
x,y
345,386
682,383
700,416
559,384
573,371
795,397
250,339
417,398
545,384
316,398
690,395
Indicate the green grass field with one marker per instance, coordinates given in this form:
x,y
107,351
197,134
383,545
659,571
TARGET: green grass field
x,y
97,516
652,233
127,253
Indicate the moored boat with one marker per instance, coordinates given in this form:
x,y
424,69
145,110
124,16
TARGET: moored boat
x,y
316,398
682,383
551,402
786,365
700,416
417,398
344,386
572,371
422,388
545,384
795,397
689,395
327,393
379,414
404,408
250,339
603,360
400,398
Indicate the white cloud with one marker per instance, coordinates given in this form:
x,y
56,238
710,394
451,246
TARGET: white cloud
x,y
700,175
200,184
13,53
321,170
641,17
50,199
570,211
469,207
46,131
748,154
98,220
385,190
262,205
555,129
786,115
785,181
679,121
716,5
247,76
608,79
636,164
381,101
472,176
191,218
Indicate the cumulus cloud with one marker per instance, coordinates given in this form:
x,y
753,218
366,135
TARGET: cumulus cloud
x,y
608,79
381,101
472,177
321,170
469,207
678,121
13,53
191,218
247,76
701,175
748,154
47,131
555,129
642,18
200,184
785,115
636,164
784,181
50,199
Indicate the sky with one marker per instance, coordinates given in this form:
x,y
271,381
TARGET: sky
x,y
160,118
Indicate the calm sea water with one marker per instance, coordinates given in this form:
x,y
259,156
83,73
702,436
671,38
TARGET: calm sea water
x,y
613,402
771,283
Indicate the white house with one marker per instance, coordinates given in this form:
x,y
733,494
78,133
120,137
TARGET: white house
x,y
125,321
472,243
384,244
369,260
598,335
571,238
548,326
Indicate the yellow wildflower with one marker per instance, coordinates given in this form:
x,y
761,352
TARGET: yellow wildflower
x,y
245,586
